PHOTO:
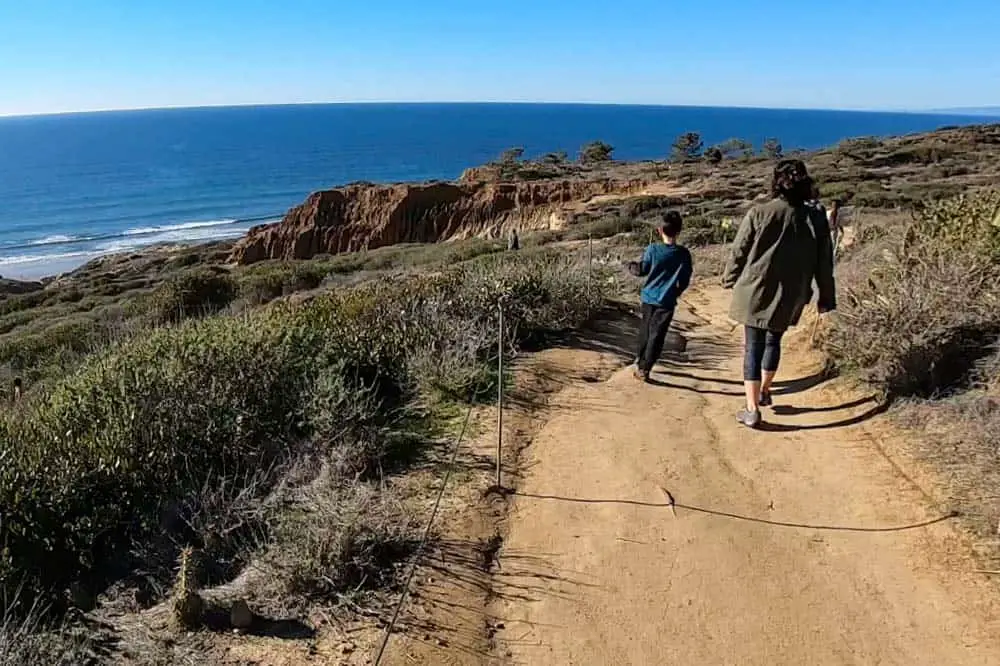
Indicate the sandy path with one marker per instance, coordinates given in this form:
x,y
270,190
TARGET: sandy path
x,y
595,570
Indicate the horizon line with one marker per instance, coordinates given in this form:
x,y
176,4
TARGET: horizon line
x,y
971,111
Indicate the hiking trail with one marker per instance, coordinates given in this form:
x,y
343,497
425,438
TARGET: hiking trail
x,y
596,569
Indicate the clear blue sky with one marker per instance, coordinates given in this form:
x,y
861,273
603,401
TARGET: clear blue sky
x,y
62,55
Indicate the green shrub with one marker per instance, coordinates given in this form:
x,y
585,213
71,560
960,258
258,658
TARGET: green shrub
x,y
604,227
18,302
686,147
36,355
637,206
969,223
923,154
193,293
596,152
89,466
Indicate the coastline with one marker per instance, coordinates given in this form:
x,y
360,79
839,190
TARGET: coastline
x,y
893,173
85,185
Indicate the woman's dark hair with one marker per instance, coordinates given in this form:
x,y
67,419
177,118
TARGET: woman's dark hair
x,y
791,181
672,224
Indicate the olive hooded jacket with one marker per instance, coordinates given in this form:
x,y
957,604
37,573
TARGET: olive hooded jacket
x,y
779,250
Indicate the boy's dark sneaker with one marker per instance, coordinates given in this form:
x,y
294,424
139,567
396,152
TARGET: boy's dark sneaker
x,y
640,375
765,399
750,419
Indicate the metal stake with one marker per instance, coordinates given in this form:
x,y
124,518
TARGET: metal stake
x,y
499,394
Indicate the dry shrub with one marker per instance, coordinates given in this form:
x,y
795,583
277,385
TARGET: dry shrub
x,y
960,438
920,317
928,308
27,638
341,538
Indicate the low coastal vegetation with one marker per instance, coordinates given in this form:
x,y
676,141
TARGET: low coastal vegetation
x,y
919,320
265,434
185,421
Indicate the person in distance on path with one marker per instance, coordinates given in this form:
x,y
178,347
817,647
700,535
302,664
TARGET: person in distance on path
x,y
782,246
667,268
836,218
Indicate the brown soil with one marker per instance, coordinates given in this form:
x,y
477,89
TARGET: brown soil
x,y
784,548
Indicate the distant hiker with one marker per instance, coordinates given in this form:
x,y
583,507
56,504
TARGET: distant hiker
x,y
781,247
512,241
836,228
17,389
832,216
667,268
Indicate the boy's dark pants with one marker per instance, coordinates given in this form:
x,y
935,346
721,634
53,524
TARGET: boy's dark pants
x,y
652,333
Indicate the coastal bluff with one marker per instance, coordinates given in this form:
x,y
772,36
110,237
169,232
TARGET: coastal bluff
x,y
365,216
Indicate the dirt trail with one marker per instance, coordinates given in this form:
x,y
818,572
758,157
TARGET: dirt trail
x,y
596,570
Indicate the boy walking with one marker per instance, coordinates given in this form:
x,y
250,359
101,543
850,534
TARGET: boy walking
x,y
667,268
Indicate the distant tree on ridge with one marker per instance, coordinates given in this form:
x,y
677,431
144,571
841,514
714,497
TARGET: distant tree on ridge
x,y
596,151
733,148
512,155
687,147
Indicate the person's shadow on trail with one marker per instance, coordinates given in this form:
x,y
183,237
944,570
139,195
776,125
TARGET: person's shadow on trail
x,y
877,409
785,387
662,384
781,387
791,410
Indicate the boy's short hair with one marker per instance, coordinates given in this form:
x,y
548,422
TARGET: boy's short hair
x,y
671,224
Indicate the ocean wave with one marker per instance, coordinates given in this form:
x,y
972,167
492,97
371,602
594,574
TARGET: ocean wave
x,y
44,258
139,236
186,235
122,243
57,239
143,231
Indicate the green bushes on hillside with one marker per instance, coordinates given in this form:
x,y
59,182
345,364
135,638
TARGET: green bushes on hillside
x,y
89,467
193,293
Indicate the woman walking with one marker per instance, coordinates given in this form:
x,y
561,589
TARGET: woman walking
x,y
781,248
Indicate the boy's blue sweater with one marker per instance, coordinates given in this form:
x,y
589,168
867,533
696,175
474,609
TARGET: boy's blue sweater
x,y
667,269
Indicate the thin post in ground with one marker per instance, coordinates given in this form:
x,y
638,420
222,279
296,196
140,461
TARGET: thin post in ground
x,y
499,395
590,272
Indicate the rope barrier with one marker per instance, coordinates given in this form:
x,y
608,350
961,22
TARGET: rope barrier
x,y
673,506
426,535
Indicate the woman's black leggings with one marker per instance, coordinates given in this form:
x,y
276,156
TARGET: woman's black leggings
x,y
763,352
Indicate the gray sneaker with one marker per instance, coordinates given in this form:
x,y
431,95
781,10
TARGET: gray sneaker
x,y
750,419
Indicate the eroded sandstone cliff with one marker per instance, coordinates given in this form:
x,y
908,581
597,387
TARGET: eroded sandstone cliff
x,y
366,216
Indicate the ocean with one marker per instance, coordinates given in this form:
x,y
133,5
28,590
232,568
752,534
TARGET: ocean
x,y
76,186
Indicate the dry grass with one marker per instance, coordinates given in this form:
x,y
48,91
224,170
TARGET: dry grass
x,y
28,637
920,319
920,303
